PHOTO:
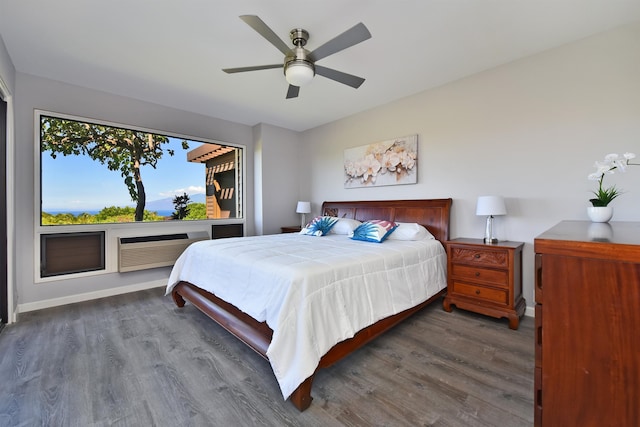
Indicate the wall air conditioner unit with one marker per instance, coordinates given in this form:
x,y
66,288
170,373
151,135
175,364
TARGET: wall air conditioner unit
x,y
143,252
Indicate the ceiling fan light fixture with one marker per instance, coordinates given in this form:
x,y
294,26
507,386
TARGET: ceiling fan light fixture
x,y
299,73
299,63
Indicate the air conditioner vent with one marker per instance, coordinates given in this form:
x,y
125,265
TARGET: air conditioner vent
x,y
143,252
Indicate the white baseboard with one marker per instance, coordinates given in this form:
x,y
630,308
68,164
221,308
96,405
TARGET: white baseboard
x,y
55,302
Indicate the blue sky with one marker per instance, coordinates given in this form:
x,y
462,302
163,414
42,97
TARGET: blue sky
x,y
78,183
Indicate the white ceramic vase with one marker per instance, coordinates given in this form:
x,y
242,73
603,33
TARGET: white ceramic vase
x,y
600,213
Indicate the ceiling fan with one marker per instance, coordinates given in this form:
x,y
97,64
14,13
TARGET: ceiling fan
x,y
300,64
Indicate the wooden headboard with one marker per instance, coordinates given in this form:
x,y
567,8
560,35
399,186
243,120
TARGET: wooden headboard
x,y
432,213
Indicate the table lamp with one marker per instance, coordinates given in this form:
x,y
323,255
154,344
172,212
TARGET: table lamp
x,y
303,208
490,206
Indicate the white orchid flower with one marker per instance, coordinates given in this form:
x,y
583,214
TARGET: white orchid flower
x,y
621,164
603,168
611,163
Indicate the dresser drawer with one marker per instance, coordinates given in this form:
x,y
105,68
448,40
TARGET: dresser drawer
x,y
474,274
485,257
480,292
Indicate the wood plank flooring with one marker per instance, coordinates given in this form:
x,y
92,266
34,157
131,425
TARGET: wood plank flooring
x,y
137,360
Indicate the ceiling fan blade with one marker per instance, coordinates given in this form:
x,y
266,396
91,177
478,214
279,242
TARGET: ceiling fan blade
x,y
356,34
339,76
258,24
293,91
254,68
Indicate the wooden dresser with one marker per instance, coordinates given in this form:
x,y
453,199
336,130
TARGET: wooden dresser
x,y
485,278
587,370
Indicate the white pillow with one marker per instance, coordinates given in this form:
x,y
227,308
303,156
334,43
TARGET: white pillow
x,y
410,231
345,226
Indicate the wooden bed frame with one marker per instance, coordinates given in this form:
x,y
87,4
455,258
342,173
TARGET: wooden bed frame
x,y
432,213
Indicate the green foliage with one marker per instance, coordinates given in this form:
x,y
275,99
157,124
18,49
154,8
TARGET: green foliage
x,y
109,215
63,219
115,212
604,196
122,150
612,163
196,211
181,204
152,216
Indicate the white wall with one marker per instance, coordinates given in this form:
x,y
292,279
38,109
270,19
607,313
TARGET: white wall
x,y
257,181
7,70
37,93
277,188
529,130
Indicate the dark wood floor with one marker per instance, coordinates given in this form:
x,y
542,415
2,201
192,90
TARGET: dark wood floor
x,y
137,360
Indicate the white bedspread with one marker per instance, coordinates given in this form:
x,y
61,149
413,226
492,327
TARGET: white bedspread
x,y
312,291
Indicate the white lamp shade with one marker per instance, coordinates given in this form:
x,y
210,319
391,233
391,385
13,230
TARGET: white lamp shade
x,y
303,207
491,205
299,73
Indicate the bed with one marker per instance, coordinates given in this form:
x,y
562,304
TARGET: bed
x,y
298,343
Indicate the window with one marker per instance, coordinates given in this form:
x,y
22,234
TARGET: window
x,y
92,172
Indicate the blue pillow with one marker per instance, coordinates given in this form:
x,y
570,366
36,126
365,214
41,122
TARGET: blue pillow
x,y
319,226
373,231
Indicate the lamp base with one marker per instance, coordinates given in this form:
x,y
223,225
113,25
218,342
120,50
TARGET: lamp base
x,y
488,233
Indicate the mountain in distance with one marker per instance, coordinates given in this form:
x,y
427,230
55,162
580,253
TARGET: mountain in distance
x,y
167,204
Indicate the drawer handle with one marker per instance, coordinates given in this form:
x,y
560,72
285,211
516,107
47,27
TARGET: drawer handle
x,y
477,274
477,291
476,256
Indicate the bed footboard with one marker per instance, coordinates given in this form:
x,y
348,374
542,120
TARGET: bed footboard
x,y
257,335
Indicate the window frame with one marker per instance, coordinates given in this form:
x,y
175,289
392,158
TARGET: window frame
x,y
113,231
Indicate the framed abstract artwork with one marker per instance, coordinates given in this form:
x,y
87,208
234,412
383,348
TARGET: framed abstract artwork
x,y
390,162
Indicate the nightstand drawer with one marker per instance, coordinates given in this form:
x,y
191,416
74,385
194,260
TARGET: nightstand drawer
x,y
486,257
480,292
495,277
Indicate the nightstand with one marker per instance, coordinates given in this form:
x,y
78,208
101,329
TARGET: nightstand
x,y
485,278
293,229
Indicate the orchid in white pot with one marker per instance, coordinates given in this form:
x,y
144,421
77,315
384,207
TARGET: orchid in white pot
x,y
612,162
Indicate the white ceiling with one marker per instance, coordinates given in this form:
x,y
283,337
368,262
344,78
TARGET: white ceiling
x,y
171,52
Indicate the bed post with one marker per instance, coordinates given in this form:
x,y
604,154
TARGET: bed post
x,y
301,397
177,298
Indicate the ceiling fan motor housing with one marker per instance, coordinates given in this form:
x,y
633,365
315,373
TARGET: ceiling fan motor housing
x,y
299,37
298,56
